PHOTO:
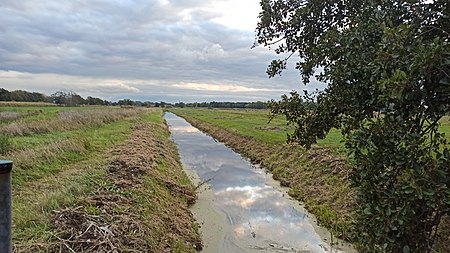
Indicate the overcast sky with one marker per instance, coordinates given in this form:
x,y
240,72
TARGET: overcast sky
x,y
152,50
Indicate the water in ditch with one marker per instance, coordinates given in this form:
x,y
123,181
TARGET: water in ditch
x,y
240,207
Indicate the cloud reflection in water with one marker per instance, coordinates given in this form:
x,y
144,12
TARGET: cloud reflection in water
x,y
263,213
260,216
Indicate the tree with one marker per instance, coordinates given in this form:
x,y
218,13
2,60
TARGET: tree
x,y
95,101
75,99
58,97
68,98
37,97
19,95
376,56
125,101
5,95
180,104
22,96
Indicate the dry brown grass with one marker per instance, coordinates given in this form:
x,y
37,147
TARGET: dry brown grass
x,y
9,116
144,208
133,198
67,120
14,103
442,244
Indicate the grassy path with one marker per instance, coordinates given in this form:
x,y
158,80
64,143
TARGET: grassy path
x,y
113,184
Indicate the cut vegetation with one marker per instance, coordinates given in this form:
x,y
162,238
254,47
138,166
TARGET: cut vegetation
x,y
96,180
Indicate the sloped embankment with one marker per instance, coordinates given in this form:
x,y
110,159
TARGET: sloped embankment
x,y
317,176
141,205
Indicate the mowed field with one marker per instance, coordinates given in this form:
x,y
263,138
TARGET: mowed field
x,y
96,179
319,177
255,124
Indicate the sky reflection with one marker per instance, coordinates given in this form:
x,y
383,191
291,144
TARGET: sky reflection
x,y
261,217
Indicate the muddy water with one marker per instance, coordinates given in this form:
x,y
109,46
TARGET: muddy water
x,y
242,209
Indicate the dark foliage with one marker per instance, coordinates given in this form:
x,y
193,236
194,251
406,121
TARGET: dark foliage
x,y
387,66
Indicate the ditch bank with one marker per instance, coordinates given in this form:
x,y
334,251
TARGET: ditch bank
x,y
244,209
316,177
140,205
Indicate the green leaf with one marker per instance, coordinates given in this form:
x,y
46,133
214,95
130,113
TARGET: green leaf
x,y
428,193
406,249
385,59
408,190
367,211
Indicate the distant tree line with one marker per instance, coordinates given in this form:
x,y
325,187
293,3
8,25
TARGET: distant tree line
x,y
70,98
22,96
67,98
240,105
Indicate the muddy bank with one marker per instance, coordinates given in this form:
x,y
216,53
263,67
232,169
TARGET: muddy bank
x,y
315,177
211,222
140,205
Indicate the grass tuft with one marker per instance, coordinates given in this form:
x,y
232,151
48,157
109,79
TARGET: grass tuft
x,y
6,144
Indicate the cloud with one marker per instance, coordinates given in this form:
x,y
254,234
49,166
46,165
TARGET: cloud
x,y
217,87
122,48
118,86
14,78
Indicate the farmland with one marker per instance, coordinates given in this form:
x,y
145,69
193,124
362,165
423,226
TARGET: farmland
x,y
318,177
105,178
96,179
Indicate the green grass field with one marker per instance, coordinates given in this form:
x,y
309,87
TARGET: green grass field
x,y
255,123
445,126
52,168
37,113
61,156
